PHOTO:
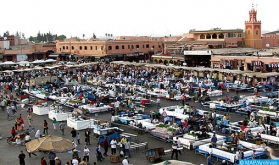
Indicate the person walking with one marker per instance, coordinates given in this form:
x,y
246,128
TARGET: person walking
x,y
54,122
86,154
45,127
62,127
51,157
174,150
43,161
78,138
87,136
105,144
113,143
13,132
209,160
21,158
74,134
8,111
57,161
29,118
127,148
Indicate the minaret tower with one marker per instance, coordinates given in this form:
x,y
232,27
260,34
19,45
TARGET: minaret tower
x,y
253,30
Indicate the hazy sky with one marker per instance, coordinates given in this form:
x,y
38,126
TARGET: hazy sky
x,y
131,17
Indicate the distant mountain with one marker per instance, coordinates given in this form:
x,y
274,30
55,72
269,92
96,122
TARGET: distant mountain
x,y
265,31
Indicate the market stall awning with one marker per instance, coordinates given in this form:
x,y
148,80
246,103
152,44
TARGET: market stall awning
x,y
53,55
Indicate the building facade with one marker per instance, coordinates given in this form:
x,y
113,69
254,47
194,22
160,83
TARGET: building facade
x,y
127,48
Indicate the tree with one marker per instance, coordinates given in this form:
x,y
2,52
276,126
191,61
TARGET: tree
x,y
6,34
83,36
94,36
111,35
61,37
31,38
106,35
17,34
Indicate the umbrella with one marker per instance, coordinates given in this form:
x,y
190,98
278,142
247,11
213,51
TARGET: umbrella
x,y
49,143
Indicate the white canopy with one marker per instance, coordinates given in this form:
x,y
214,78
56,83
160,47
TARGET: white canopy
x,y
38,68
38,61
23,62
8,63
50,60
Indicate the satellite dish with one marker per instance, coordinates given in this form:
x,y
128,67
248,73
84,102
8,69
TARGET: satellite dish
x,y
267,45
96,114
5,38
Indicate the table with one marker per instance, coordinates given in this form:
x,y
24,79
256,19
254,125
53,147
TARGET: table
x,y
60,116
92,109
79,124
40,109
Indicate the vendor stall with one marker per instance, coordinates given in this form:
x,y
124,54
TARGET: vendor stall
x,y
41,109
58,115
79,123
94,109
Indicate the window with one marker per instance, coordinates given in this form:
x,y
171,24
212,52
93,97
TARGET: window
x,y
63,47
143,46
208,36
85,47
80,47
91,47
102,47
137,46
248,31
73,47
109,47
60,49
96,47
257,32
202,36
214,36
153,46
159,46
67,47
147,45
132,46
116,47
221,36
128,46
234,35
123,47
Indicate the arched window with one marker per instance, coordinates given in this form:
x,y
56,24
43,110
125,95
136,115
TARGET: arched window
x,y
202,36
214,36
221,35
248,31
257,32
208,36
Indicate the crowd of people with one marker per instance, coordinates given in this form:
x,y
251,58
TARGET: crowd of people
x,y
136,79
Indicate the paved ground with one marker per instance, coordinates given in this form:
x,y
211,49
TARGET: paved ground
x,y
10,153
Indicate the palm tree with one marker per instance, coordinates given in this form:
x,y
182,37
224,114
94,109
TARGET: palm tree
x,y
111,35
83,36
106,35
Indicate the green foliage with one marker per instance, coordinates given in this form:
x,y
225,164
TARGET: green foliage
x,y
162,126
171,129
190,134
46,37
61,37
267,109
